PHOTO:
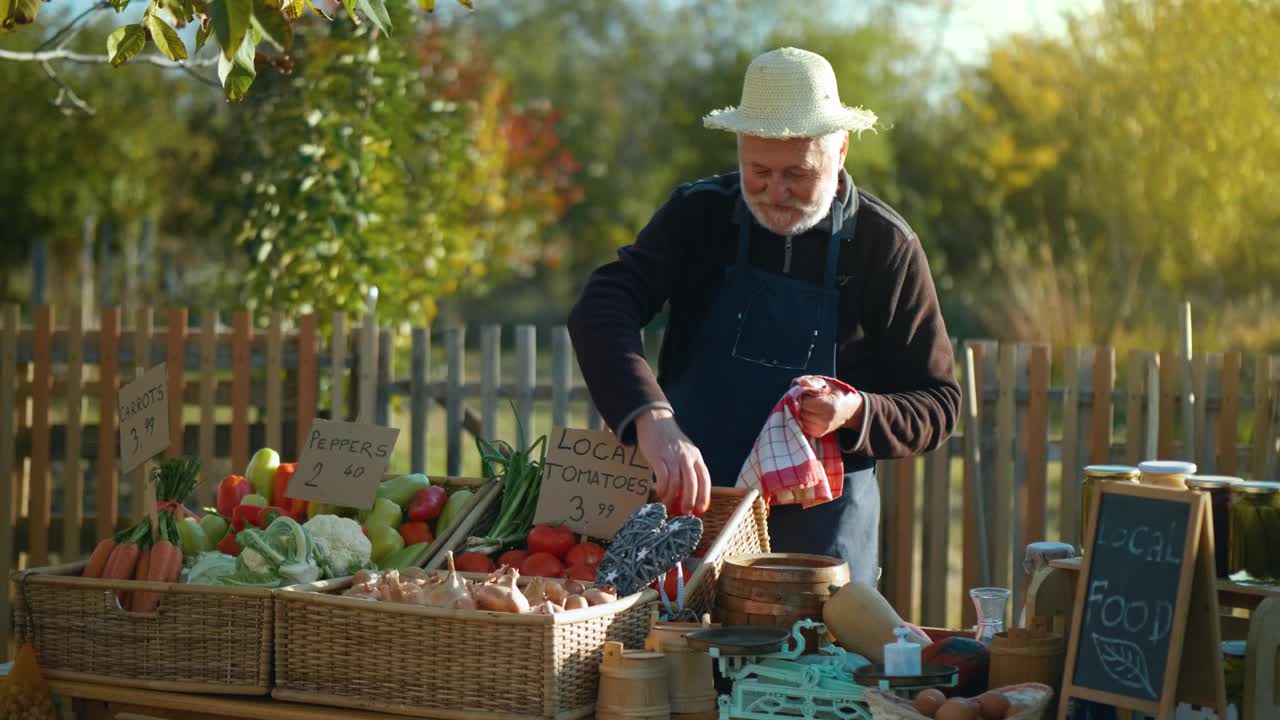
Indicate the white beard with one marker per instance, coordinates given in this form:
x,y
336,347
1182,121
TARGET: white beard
x,y
793,218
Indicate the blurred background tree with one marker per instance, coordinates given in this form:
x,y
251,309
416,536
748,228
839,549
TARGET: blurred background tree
x,y
1069,186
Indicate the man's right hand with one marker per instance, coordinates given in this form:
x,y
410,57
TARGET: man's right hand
x,y
683,481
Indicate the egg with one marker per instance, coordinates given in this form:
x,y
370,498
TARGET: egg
x,y
993,705
928,702
958,709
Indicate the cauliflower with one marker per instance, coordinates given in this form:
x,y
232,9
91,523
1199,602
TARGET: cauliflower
x,y
341,547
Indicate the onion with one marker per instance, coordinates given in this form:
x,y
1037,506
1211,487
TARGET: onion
x,y
596,596
555,592
575,602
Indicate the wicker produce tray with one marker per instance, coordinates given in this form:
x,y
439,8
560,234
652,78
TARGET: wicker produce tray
x,y
431,662
200,639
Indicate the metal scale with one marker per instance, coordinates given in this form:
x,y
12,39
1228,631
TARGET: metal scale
x,y
773,678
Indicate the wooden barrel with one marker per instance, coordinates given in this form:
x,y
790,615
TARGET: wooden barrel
x,y
1021,656
778,589
633,685
690,677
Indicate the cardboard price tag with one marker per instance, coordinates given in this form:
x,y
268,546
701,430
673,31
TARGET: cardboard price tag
x,y
591,483
342,463
144,418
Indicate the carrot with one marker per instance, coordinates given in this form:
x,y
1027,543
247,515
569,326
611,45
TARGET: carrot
x,y
164,566
139,573
98,559
124,558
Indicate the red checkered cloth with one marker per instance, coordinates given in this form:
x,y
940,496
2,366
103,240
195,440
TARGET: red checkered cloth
x,y
786,466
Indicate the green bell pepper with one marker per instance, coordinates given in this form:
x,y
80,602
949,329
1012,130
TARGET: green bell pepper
x,y
402,558
192,536
385,540
452,512
401,490
384,512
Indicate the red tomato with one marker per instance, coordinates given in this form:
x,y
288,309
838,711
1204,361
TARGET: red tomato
x,y
554,539
585,553
473,562
542,564
513,558
585,573
672,509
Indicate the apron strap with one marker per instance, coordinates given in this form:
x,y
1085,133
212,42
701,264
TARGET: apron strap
x,y
744,231
839,232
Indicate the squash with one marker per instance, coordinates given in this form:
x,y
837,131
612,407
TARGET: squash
x,y
862,621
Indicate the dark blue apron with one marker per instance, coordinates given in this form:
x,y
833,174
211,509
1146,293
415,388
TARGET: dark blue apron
x,y
762,331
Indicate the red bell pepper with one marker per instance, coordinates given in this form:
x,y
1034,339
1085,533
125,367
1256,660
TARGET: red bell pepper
x,y
293,507
228,545
415,532
254,516
428,503
231,491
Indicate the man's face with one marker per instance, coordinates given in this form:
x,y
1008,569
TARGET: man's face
x,y
789,184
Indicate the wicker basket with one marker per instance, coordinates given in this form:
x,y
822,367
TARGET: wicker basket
x,y
735,524
1032,696
432,662
199,639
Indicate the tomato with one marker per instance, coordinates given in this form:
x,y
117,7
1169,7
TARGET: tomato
x,y
585,573
675,504
542,564
513,558
416,532
554,539
585,553
474,562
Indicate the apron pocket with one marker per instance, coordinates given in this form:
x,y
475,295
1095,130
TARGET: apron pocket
x,y
778,331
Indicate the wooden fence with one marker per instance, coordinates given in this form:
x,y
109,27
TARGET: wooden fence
x,y
954,519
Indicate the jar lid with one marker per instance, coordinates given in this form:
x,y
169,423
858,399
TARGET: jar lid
x,y
1167,467
1265,488
1234,648
1111,471
1211,481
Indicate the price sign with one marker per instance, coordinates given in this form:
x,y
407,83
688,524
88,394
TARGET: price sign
x,y
591,483
144,418
342,463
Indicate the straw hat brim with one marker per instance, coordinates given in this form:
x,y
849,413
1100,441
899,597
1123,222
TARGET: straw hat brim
x,y
737,120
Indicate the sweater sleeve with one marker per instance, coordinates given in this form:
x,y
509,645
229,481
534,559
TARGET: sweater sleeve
x,y
619,299
914,401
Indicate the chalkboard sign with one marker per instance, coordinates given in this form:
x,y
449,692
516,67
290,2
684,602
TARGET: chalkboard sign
x,y
1134,597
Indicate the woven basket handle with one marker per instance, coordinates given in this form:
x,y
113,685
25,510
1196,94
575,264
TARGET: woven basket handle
x,y
111,601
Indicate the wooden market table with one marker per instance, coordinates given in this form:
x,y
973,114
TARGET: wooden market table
x,y
93,701
1051,597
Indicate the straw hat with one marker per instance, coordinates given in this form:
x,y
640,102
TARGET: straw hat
x,y
790,93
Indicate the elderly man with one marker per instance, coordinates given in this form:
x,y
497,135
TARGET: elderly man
x,y
782,269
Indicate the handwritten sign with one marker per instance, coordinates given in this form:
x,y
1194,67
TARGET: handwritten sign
x,y
1136,615
144,418
591,483
342,463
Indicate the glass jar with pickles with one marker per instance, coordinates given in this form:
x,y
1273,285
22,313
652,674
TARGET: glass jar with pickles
x,y
1094,476
1255,533
1218,488
1166,473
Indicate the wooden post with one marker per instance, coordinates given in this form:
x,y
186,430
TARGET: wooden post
x,y
904,541
1001,511
1168,401
1153,405
42,380
490,378
208,408
1104,372
526,375
1036,439
368,363
1262,432
975,569
1069,492
275,381
338,368
1229,414
561,375
1189,399
386,372
1203,444
9,320
454,401
307,378
936,536
175,358
107,493
241,344
139,476
1134,408
419,399
72,472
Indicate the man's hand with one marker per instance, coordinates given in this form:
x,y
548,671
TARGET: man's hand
x,y
825,412
684,485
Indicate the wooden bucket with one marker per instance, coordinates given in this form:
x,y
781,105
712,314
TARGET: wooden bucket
x,y
633,685
690,676
1022,656
778,589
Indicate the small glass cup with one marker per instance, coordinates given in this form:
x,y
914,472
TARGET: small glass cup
x,y
990,603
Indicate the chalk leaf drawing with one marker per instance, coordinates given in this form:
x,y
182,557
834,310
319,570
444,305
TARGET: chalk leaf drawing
x,y
1125,662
